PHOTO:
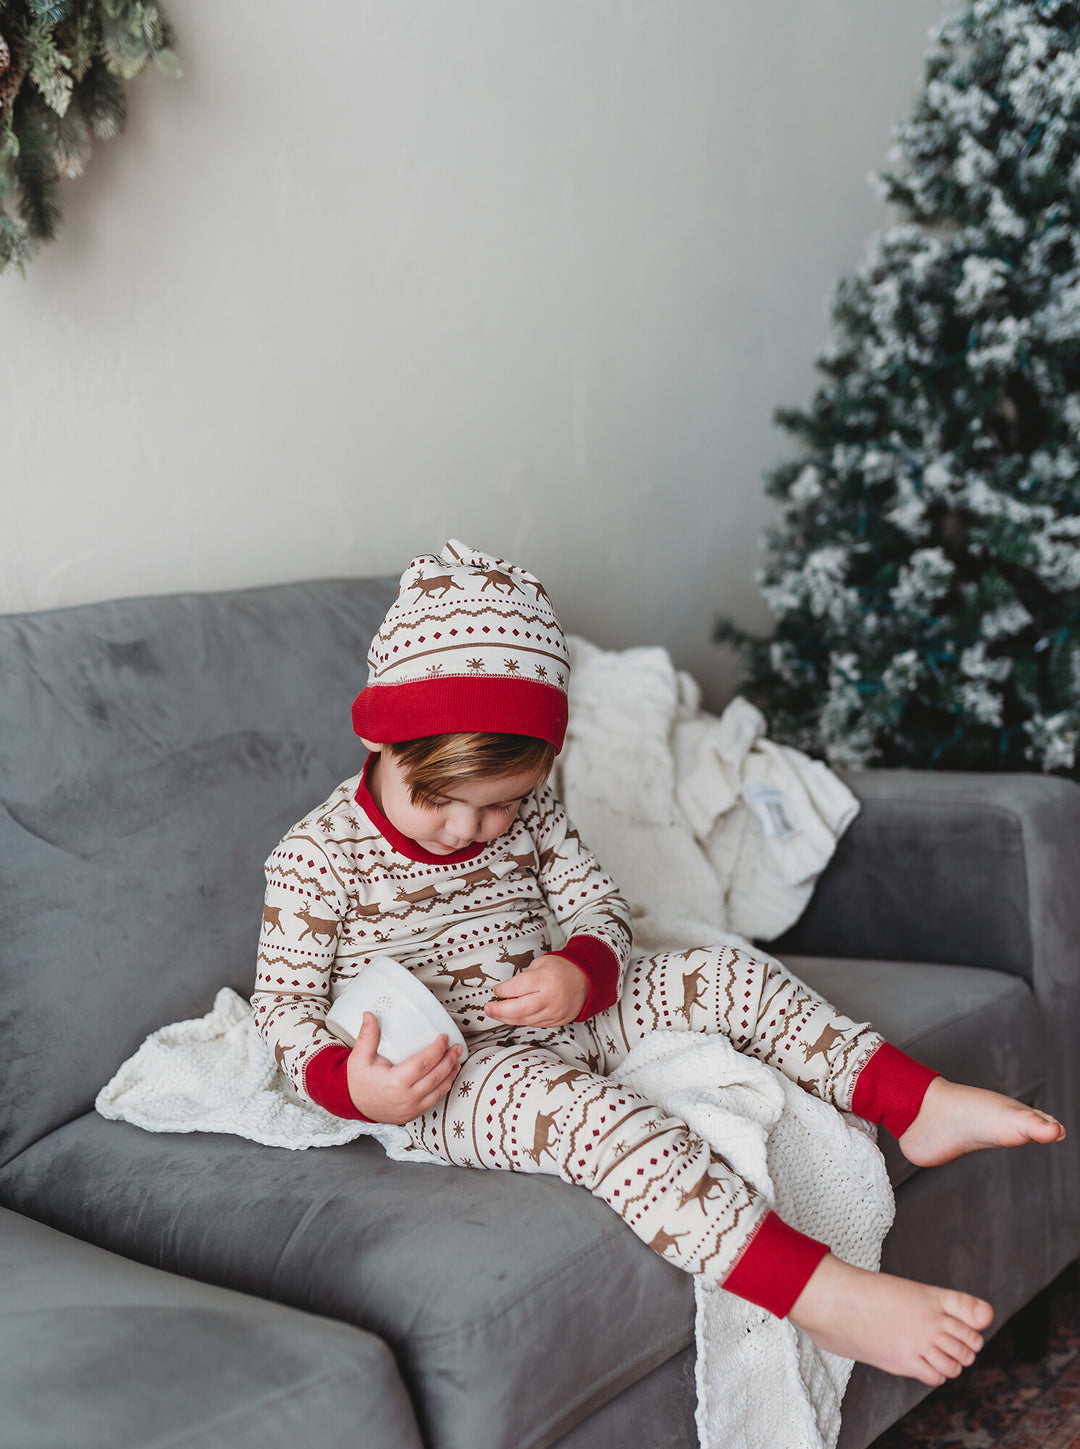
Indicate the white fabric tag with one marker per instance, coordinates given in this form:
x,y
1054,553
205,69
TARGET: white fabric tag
x,y
770,807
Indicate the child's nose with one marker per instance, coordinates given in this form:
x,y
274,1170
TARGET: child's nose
x,y
462,822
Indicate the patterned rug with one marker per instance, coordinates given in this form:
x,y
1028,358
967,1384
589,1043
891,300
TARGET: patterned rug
x,y
1000,1403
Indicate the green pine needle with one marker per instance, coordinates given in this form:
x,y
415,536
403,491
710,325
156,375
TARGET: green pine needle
x,y
62,89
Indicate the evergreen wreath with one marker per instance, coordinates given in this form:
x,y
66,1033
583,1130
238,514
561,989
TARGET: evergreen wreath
x,y
925,570
62,64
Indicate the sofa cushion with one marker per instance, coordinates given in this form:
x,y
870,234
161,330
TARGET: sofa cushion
x,y
935,877
153,751
974,1026
107,1354
514,1303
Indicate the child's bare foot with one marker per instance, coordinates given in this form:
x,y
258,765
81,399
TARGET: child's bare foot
x,y
909,1329
954,1119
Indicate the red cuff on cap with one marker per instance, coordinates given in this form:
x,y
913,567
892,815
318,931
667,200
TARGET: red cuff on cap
x,y
327,1084
601,965
890,1089
448,705
775,1266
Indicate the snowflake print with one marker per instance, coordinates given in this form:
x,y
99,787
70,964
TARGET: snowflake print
x,y
465,1089
512,666
475,663
609,1042
459,1129
541,671
434,669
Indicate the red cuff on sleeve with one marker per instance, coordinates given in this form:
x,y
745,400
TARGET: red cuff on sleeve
x,y
601,966
890,1089
775,1266
326,1082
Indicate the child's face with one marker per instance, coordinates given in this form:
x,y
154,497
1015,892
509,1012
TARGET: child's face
x,y
473,811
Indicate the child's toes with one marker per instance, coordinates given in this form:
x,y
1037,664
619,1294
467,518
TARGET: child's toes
x,y
939,1367
973,1313
965,1335
958,1349
1041,1127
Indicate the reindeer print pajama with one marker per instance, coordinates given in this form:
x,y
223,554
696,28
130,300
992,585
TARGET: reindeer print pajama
x,y
344,888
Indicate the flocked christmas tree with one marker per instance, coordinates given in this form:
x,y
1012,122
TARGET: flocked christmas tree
x,y
925,569
62,64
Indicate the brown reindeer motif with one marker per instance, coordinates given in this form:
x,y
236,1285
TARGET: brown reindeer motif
x,y
701,1192
542,1137
810,1087
279,1056
524,862
495,578
272,918
310,1021
316,926
441,584
367,911
548,857
538,589
482,875
663,1241
830,1035
462,975
425,893
694,987
518,962
565,1079
617,920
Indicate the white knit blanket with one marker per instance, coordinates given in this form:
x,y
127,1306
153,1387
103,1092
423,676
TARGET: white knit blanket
x,y
666,796
693,813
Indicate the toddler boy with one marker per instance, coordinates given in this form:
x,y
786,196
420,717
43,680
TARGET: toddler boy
x,y
449,854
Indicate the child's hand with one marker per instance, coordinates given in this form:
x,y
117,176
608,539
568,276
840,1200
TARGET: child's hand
x,y
385,1093
549,992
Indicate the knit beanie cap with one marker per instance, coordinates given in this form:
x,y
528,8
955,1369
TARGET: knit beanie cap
x,y
471,643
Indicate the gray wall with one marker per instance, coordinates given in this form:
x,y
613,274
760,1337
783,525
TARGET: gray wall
x,y
374,273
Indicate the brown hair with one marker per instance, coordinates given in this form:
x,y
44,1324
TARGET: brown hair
x,y
435,763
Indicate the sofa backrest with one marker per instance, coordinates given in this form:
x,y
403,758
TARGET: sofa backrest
x,y
152,753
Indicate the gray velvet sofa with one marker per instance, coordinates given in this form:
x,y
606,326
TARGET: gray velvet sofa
x,y
151,753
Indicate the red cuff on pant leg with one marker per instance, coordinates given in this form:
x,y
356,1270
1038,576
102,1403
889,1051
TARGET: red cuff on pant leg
x,y
775,1266
890,1089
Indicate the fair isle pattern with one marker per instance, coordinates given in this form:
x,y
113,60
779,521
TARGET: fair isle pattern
x,y
339,895
531,1100
466,613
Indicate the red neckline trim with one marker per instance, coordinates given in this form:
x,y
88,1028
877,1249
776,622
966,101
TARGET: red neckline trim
x,y
402,843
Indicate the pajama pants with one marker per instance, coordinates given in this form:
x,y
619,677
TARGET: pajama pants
x,y
532,1099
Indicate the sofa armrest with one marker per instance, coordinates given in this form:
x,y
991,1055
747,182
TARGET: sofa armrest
x,y
972,870
962,869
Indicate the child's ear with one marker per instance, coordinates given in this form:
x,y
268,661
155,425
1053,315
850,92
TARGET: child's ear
x,y
371,745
